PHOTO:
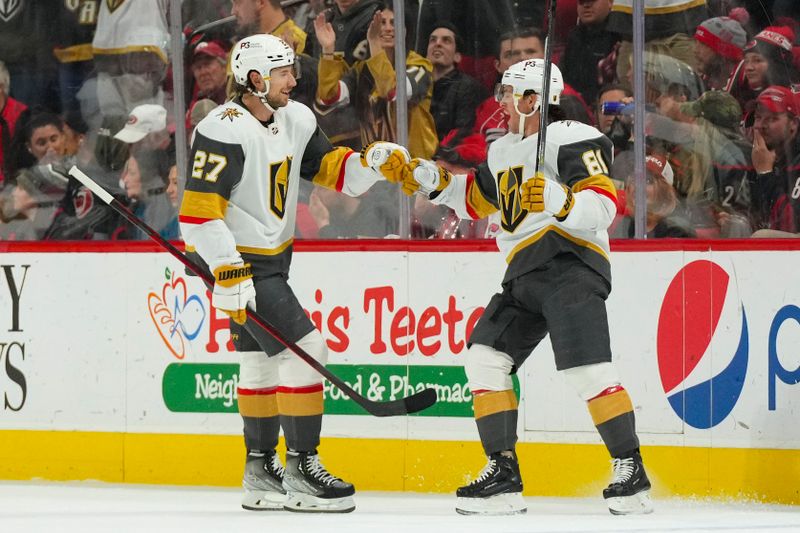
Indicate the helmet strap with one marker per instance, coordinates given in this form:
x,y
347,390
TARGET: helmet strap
x,y
523,116
261,95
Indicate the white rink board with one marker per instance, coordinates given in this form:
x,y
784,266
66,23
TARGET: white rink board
x,y
83,347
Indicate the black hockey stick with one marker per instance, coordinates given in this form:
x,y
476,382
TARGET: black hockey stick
x,y
544,102
411,404
213,24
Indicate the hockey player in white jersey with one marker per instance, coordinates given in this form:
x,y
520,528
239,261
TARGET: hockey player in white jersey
x,y
558,277
238,216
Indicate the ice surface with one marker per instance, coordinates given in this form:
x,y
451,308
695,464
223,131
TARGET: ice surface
x,y
100,507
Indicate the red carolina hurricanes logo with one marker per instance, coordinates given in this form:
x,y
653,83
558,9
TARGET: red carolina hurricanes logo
x,y
83,201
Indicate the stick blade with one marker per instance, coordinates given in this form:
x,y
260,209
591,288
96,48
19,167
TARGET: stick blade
x,y
404,406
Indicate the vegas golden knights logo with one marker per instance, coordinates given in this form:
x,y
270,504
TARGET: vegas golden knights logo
x,y
509,184
9,9
279,186
114,4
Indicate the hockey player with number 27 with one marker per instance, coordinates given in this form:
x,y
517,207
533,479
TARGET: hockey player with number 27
x,y
555,242
238,215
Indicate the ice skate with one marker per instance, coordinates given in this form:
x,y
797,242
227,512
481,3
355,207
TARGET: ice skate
x,y
263,482
629,490
311,488
497,489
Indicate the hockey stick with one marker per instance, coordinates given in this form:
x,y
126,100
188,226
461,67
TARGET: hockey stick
x,y
411,404
544,104
211,25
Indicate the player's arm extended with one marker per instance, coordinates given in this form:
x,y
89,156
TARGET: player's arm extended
x,y
215,168
471,195
339,168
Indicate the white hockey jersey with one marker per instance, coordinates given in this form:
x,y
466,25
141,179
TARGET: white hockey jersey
x,y
125,26
242,185
576,155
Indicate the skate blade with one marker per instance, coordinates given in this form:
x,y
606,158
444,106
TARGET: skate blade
x,y
502,504
299,502
263,501
639,503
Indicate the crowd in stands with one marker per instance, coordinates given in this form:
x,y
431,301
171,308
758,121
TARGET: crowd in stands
x,y
90,83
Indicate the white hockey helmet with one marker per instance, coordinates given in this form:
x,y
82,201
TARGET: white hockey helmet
x,y
262,53
527,75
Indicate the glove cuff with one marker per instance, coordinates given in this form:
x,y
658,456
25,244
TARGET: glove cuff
x,y
562,215
231,275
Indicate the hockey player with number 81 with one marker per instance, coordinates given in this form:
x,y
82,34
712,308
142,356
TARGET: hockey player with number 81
x,y
558,277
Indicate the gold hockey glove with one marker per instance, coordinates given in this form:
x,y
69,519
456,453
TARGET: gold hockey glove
x,y
540,194
387,158
425,176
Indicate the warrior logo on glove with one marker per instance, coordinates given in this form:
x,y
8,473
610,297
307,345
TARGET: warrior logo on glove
x,y
233,290
233,274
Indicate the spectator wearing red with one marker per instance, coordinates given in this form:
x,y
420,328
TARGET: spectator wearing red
x,y
776,159
11,113
490,120
209,69
718,50
768,60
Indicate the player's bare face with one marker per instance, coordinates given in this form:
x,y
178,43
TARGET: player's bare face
x,y
505,96
281,83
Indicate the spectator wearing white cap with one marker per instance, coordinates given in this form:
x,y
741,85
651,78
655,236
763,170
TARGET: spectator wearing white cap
x,y
719,42
663,219
146,128
145,176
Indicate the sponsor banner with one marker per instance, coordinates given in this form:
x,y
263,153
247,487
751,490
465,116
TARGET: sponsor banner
x,y
705,342
211,388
